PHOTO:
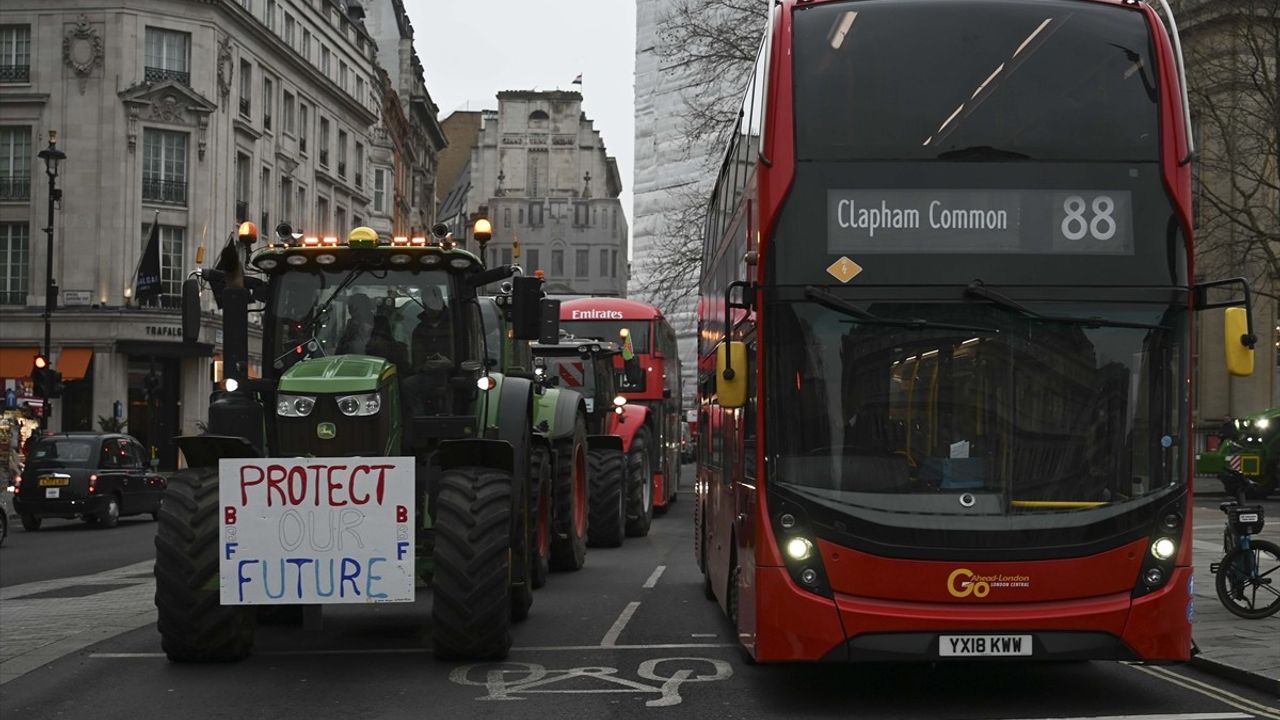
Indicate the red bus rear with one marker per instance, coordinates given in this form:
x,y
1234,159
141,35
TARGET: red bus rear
x,y
950,247
659,387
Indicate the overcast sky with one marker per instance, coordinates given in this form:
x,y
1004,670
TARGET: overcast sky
x,y
470,50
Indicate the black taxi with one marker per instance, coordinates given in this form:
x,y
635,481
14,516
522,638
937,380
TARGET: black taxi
x,y
97,477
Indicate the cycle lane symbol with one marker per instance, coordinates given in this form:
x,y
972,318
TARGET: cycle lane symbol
x,y
511,680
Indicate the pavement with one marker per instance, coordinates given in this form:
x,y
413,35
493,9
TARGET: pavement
x,y
41,622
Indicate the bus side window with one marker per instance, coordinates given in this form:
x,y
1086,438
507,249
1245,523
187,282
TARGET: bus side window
x,y
749,415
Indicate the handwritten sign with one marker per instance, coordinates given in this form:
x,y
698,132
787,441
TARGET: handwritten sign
x,y
316,530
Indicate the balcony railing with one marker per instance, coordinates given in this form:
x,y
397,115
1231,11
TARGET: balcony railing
x,y
15,186
244,107
170,192
155,74
13,297
15,73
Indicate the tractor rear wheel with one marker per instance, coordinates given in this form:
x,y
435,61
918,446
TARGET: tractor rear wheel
x,y
607,524
639,485
471,608
194,625
569,501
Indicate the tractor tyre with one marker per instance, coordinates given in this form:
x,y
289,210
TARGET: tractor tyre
x,y
570,501
639,485
540,522
471,609
606,526
194,626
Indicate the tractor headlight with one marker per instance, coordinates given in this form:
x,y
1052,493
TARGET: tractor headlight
x,y
295,405
1262,424
360,405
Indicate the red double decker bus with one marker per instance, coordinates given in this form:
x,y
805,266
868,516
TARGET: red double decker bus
x,y
657,387
945,331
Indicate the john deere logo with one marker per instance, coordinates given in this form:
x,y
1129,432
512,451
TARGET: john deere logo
x,y
326,431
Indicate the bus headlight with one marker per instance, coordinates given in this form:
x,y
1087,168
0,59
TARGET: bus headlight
x,y
1163,548
619,401
360,405
295,405
799,548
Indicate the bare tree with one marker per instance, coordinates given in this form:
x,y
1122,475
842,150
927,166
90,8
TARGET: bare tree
x,y
1234,89
709,48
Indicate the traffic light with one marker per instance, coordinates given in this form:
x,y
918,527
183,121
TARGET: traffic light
x,y
47,380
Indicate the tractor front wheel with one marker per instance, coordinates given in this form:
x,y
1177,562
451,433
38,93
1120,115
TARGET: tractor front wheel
x,y
607,526
471,609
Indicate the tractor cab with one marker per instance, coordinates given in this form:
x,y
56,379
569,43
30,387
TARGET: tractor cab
x,y
585,366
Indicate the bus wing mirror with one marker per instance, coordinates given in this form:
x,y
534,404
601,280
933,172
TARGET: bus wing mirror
x,y
731,378
1239,353
190,310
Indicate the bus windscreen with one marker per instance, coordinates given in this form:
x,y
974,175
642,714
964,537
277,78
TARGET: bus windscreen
x,y
1003,80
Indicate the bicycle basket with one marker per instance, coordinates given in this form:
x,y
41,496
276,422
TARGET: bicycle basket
x,y
1246,519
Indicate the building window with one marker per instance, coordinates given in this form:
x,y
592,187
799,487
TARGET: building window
x,y
304,126
506,217
287,113
379,189
506,256
613,267
324,60
264,194
341,221
172,246
324,141
342,153
268,101
269,15
15,249
359,89
164,167
15,53
557,263
604,263
286,201
520,216
582,266
342,76
15,162
533,260
306,45
580,210
302,210
535,214
290,29
168,56
322,215
359,168
242,187
246,87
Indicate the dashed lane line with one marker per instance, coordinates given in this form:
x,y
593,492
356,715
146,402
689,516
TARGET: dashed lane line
x,y
611,637
653,579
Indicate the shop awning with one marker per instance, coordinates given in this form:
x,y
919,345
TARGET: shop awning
x,y
15,362
73,363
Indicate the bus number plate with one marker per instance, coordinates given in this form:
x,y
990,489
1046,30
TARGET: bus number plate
x,y
984,645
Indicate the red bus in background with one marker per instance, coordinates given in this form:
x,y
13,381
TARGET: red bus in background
x,y
945,333
659,387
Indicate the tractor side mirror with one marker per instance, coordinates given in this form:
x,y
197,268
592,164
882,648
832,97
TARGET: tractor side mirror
x,y
190,310
526,305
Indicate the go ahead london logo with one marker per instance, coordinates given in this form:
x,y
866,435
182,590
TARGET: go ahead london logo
x,y
963,583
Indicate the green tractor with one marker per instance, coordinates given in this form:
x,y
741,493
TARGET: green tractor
x,y
561,448
371,350
586,367
1251,447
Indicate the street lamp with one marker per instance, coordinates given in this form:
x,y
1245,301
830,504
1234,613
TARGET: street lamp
x,y
51,157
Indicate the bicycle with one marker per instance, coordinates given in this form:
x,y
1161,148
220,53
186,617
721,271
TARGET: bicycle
x,y
1248,577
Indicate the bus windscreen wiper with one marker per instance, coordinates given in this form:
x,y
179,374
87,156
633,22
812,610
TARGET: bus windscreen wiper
x,y
979,291
983,153
863,317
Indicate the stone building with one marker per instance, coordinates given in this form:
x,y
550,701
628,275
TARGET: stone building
x,y
540,172
191,113
1235,100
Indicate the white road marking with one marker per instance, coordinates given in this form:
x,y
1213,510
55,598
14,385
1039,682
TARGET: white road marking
x,y
611,637
1208,690
703,635
653,579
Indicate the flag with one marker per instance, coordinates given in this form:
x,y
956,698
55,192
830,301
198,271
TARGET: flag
x,y
147,285
578,80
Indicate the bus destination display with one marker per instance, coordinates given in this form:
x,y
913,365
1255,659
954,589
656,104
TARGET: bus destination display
x,y
1053,222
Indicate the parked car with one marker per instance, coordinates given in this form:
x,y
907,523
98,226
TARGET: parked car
x,y
97,477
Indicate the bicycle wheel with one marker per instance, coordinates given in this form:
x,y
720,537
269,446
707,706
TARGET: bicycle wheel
x,y
1248,581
